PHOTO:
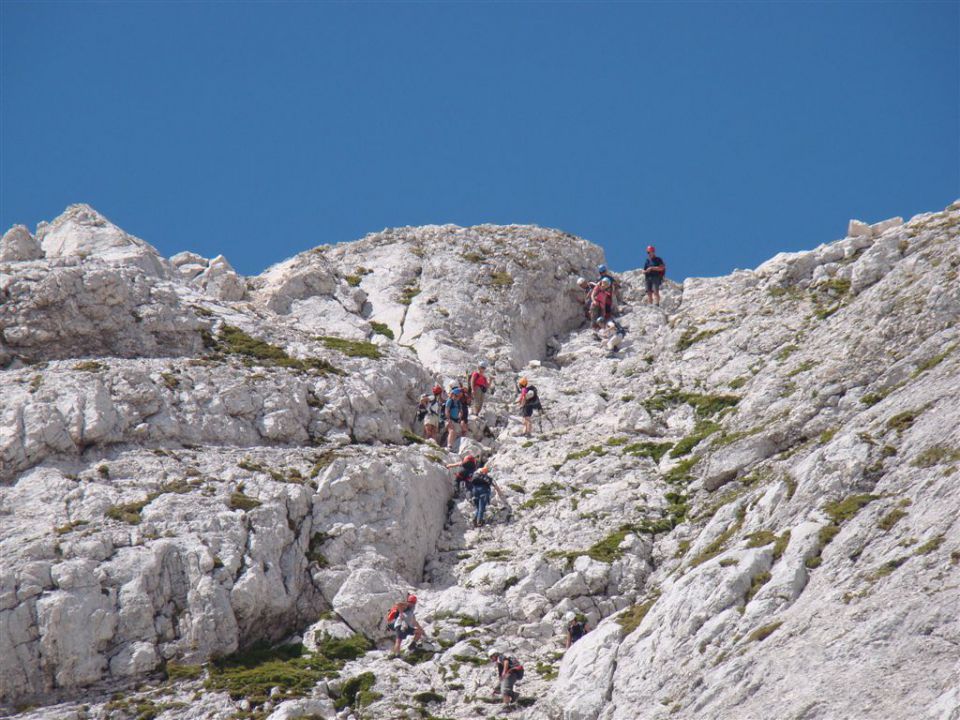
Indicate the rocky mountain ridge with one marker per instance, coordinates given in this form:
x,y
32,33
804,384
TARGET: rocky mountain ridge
x,y
754,502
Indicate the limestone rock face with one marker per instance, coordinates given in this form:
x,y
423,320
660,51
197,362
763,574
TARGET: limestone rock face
x,y
18,245
753,504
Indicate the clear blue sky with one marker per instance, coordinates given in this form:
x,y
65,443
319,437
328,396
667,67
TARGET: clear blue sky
x,y
722,132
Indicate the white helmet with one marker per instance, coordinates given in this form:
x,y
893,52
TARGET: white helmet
x,y
581,281
570,616
482,363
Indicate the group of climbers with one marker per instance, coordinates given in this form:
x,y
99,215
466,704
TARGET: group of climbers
x,y
447,413
401,620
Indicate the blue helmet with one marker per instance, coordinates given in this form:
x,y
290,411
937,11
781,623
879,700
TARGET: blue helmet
x,y
601,268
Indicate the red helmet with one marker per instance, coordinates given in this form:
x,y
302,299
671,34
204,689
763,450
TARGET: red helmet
x,y
469,458
412,599
437,389
651,248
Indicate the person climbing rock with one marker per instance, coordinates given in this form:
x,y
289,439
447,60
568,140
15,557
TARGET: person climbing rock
x,y
611,336
428,411
480,385
483,485
601,299
527,401
576,628
615,291
509,671
403,621
654,270
455,414
584,295
468,466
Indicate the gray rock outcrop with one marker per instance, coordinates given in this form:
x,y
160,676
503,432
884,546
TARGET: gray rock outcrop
x,y
753,503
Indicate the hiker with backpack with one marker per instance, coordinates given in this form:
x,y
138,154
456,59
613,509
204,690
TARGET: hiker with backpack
x,y
615,290
428,412
585,297
468,466
509,671
611,336
479,385
455,413
528,400
654,270
576,628
482,487
402,621
601,302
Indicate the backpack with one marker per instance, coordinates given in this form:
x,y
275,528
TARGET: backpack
x,y
482,480
456,409
514,667
533,398
392,616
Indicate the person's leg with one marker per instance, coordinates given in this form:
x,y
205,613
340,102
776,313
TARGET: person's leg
x,y
478,401
482,506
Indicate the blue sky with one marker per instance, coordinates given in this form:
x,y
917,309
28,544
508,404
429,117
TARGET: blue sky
x,y
721,132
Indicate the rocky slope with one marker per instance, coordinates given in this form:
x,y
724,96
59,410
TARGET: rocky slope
x,y
210,493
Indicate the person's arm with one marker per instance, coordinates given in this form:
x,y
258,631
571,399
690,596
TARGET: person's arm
x,y
662,267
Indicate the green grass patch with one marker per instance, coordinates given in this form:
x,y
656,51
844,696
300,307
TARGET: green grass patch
x,y
580,454
517,488
936,455
354,691
802,368
501,279
617,441
90,366
680,473
929,546
932,362
234,341
692,335
543,495
903,421
720,543
178,672
546,670
652,450
686,445
352,348
887,522
254,672
425,698
130,512
471,660
887,568
239,501
827,435
842,510
786,352
738,383
762,633
705,406
758,581
631,618
381,329
408,293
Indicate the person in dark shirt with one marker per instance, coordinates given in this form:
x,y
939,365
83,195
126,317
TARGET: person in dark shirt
x,y
654,269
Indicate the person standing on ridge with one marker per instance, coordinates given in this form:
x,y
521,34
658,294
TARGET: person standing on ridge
x,y
405,623
527,401
479,384
613,305
653,270
455,413
508,672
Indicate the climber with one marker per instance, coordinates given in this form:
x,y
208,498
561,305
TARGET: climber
x,y
456,414
653,271
480,385
576,628
615,299
482,485
468,466
611,335
527,401
428,411
585,299
403,622
509,671
601,299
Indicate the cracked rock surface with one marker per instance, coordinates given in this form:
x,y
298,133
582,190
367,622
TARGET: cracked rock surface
x,y
210,492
